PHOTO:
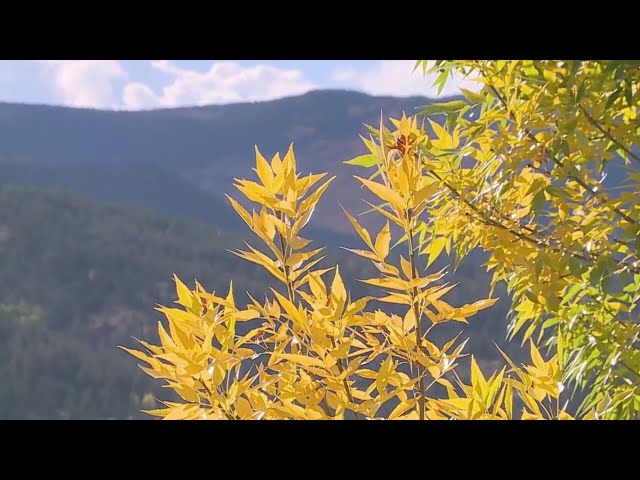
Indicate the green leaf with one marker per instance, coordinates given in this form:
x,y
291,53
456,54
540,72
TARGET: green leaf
x,y
548,75
441,80
366,161
473,97
575,267
531,296
445,107
539,263
452,118
550,323
537,204
557,192
612,98
571,293
628,95
638,245
580,93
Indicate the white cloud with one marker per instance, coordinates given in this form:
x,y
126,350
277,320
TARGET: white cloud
x,y
395,77
138,96
344,74
224,82
86,83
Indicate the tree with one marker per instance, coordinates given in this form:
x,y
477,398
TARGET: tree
x,y
521,169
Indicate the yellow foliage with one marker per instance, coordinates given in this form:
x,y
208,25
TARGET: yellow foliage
x,y
312,352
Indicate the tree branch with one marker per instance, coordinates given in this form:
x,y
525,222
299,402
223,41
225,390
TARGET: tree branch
x,y
606,133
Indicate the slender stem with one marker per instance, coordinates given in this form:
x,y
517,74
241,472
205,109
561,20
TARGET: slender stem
x,y
417,315
347,388
285,257
224,410
535,241
607,134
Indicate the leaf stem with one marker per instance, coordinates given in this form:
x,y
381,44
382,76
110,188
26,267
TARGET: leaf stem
x,y
417,315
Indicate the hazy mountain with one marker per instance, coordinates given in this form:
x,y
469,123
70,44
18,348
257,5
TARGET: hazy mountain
x,y
209,145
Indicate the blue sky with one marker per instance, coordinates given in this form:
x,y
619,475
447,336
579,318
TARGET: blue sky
x,y
146,84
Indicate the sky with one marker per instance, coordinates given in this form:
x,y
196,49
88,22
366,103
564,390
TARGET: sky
x,y
149,84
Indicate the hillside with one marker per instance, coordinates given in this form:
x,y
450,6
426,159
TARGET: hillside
x,y
139,185
80,277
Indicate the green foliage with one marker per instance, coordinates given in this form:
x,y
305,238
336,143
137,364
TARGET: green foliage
x,y
521,173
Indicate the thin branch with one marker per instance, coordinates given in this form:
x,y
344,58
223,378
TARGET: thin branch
x,y
347,388
418,317
607,134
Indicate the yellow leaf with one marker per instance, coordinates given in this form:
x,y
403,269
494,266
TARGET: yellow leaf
x,y
383,240
263,169
384,282
338,292
469,310
564,416
240,210
406,267
508,400
398,298
254,192
400,221
261,259
246,315
363,253
413,416
435,248
477,379
401,408
181,411
139,355
530,416
409,322
310,202
424,193
435,293
243,408
302,360
184,294
165,339
537,359
360,230
161,412
384,193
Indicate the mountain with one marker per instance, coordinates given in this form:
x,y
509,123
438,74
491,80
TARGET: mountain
x,y
210,145
135,184
139,185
